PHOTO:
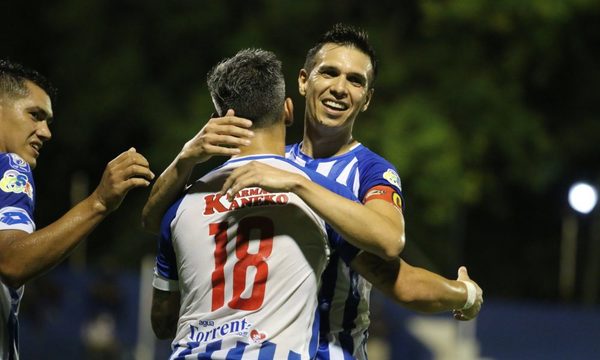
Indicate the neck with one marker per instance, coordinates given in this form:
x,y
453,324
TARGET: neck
x,y
270,140
324,142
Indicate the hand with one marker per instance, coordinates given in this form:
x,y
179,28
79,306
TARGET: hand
x,y
125,172
258,174
473,311
220,136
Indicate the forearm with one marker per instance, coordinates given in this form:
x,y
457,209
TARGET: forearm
x,y
164,191
415,288
424,291
356,223
25,256
165,313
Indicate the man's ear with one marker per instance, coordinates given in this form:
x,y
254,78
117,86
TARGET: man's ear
x,y
288,109
302,79
368,101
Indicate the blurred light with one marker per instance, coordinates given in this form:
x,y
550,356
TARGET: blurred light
x,y
583,197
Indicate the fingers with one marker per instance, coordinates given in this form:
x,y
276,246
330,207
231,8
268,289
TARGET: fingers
x,y
463,274
458,315
131,164
231,125
230,139
128,170
239,179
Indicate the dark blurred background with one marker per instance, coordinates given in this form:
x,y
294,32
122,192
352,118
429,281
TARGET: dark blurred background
x,y
489,110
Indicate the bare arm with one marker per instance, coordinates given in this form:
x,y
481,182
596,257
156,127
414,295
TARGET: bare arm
x,y
377,227
416,288
220,136
24,256
165,313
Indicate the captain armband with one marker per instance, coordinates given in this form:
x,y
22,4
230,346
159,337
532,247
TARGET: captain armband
x,y
386,193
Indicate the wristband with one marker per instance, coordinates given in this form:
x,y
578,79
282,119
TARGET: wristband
x,y
471,294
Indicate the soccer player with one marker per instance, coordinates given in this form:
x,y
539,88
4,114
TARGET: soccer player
x,y
237,277
25,253
337,81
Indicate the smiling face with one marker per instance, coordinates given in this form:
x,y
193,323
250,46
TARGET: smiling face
x,y
24,123
337,87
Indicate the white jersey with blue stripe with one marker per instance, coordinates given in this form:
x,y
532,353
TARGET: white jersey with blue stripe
x,y
344,296
16,213
248,270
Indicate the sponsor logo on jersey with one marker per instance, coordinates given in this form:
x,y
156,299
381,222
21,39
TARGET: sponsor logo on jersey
x,y
16,217
236,327
217,203
257,336
392,177
16,162
16,182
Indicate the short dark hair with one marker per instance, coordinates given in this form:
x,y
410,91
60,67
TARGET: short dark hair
x,y
251,83
344,35
13,76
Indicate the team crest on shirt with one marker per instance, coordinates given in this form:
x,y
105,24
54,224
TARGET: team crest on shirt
x,y
16,162
392,177
16,182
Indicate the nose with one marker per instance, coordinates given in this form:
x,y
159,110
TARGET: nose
x,y
338,88
43,131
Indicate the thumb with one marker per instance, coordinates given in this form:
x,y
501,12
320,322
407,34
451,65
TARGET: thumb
x,y
230,112
462,273
131,149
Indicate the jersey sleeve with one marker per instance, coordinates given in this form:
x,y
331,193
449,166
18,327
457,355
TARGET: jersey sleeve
x,y
16,194
165,271
379,172
346,250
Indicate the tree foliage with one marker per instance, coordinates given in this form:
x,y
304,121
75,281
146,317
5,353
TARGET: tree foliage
x,y
484,106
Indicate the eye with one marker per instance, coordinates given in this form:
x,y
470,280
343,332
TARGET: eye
x,y
329,73
36,115
356,81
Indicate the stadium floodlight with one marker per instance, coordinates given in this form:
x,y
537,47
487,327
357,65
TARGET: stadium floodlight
x,y
583,197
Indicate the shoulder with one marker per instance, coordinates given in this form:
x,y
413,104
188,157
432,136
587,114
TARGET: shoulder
x,y
15,176
376,170
368,158
13,161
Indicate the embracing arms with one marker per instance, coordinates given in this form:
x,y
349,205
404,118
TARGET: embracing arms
x,y
377,227
220,136
419,289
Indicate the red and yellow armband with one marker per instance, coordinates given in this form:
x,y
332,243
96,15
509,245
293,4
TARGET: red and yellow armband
x,y
386,193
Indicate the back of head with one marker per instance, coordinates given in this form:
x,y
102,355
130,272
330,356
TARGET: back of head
x,y
13,77
344,35
251,83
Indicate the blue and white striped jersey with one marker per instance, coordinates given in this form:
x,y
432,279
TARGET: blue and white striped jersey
x,y
344,296
16,213
248,270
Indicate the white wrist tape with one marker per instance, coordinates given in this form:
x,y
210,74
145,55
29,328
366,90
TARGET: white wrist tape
x,y
471,294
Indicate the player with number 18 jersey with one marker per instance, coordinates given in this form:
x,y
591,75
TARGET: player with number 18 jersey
x,y
248,269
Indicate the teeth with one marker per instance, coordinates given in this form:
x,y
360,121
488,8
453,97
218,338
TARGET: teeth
x,y
335,105
35,146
